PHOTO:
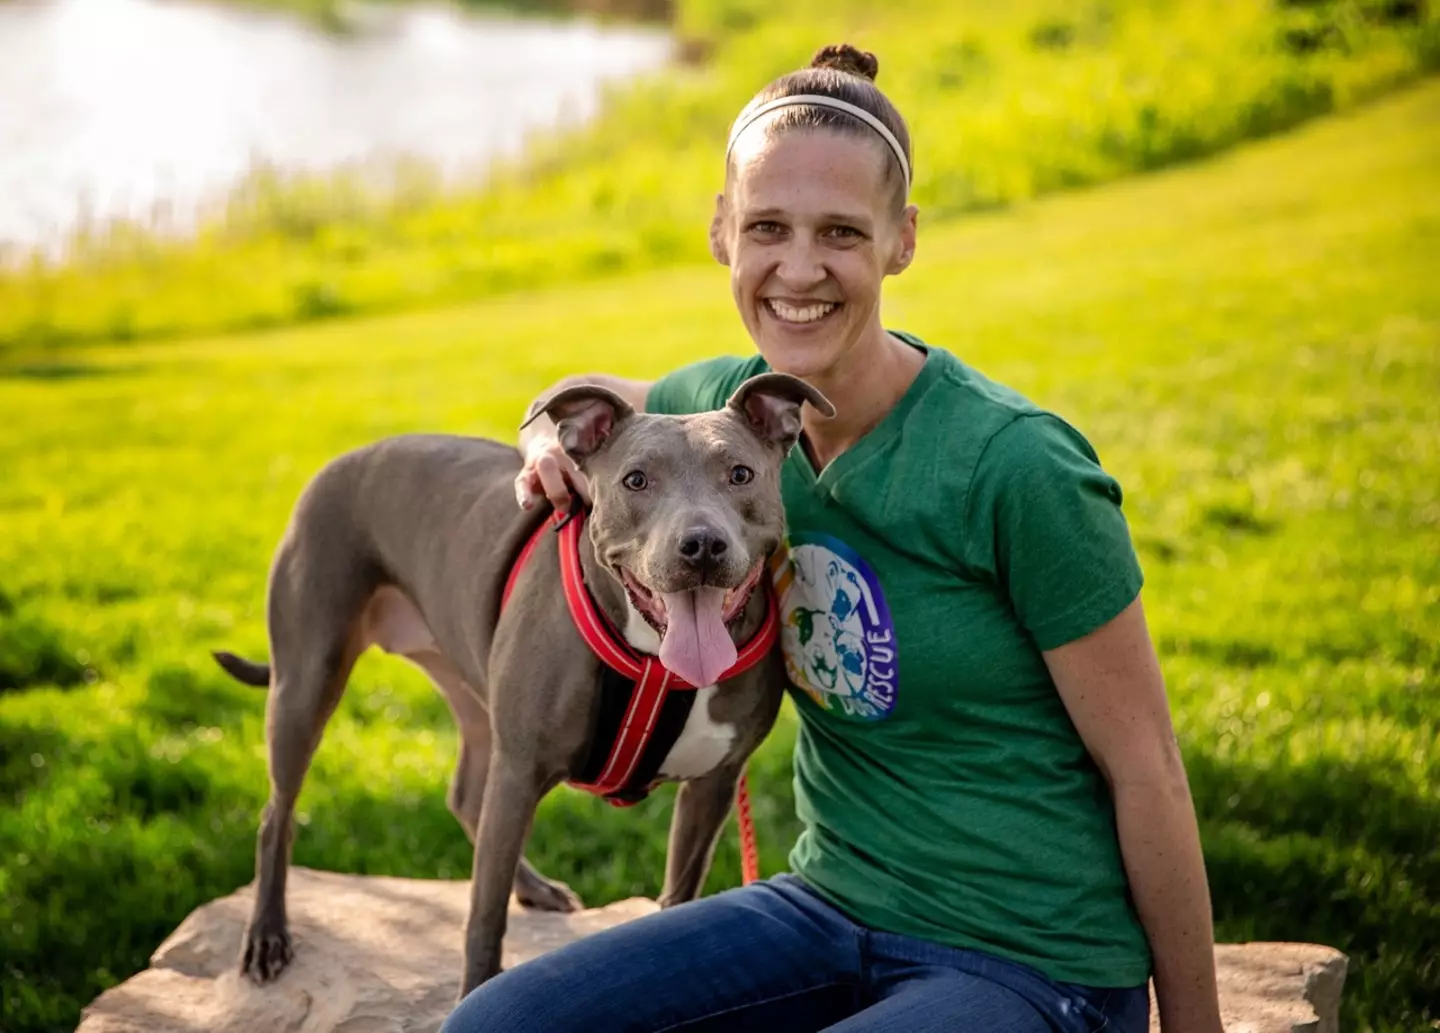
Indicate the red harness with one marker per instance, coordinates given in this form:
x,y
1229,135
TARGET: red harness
x,y
652,681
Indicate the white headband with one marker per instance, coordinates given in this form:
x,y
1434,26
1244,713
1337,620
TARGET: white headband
x,y
819,100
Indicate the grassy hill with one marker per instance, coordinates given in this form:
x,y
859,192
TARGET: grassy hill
x,y
1007,102
1252,343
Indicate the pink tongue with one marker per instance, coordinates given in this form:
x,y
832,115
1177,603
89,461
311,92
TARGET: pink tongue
x,y
696,645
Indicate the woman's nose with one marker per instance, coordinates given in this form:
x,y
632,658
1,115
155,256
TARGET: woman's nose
x,y
801,264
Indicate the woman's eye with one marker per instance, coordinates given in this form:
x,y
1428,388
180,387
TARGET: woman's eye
x,y
742,475
635,481
765,226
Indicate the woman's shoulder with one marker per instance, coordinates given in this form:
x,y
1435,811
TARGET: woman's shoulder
x,y
988,425
1031,505
701,386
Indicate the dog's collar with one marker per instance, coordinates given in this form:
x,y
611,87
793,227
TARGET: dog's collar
x,y
651,679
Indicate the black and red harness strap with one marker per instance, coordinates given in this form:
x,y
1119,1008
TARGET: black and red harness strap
x,y
643,706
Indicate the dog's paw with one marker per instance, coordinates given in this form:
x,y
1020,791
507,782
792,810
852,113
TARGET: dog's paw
x,y
266,954
542,894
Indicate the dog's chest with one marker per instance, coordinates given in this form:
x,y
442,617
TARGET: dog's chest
x,y
704,742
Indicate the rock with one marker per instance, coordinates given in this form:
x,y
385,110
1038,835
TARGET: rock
x,y
382,955
372,955
1278,987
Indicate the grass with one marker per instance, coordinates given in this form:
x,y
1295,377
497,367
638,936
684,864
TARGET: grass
x,y
1008,102
1253,344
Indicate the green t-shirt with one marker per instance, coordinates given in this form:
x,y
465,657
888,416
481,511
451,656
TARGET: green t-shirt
x,y
944,792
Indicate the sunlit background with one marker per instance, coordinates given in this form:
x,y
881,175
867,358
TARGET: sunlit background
x,y
146,109
238,237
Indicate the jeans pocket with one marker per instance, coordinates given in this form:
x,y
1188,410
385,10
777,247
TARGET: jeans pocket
x,y
1094,1008
1112,1010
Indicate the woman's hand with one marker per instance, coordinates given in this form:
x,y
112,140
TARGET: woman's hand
x,y
549,473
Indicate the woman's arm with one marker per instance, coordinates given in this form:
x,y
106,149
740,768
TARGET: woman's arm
x,y
548,472
1111,684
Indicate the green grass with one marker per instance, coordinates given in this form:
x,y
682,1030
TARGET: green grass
x,y
1007,102
1253,344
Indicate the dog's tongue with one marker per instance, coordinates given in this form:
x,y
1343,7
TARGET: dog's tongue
x,y
696,645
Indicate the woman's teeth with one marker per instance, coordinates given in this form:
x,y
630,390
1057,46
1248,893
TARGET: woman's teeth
x,y
800,313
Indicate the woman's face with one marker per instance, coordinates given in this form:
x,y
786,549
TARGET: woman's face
x,y
809,228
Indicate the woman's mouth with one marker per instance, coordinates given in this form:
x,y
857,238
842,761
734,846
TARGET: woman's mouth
x,y
800,313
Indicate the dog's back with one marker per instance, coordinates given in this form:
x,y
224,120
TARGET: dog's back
x,y
433,514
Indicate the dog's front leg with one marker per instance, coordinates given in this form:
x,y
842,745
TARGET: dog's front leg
x,y
512,792
700,809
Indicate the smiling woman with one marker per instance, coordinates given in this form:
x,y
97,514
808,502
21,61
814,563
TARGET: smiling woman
x,y
808,243
797,225
998,833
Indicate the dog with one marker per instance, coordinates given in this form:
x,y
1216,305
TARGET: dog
x,y
409,544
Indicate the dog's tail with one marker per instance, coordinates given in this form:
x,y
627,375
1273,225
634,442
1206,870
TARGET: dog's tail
x,y
247,672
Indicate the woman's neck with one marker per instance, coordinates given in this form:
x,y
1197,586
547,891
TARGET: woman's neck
x,y
863,389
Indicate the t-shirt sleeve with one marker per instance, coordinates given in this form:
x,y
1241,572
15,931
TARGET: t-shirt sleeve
x,y
701,386
1043,518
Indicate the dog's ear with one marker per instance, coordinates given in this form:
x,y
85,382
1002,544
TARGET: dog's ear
x,y
770,405
586,416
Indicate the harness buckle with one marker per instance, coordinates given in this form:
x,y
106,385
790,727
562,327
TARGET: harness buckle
x,y
577,507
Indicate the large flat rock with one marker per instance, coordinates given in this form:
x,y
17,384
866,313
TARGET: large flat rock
x,y
372,955
382,955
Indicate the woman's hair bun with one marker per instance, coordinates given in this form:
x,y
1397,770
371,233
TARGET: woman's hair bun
x,y
844,58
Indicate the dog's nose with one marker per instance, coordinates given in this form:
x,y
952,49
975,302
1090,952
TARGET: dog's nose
x,y
702,546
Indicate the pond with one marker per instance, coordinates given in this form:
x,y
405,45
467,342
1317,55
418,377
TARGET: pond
x,y
146,108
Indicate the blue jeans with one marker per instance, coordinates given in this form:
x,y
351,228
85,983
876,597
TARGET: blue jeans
x,y
774,956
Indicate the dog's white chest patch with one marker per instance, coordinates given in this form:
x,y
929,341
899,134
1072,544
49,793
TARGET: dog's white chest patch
x,y
703,742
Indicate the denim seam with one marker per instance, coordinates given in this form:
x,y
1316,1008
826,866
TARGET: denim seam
x,y
1104,1012
862,955
750,1004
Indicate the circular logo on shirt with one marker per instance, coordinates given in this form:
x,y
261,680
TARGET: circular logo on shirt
x,y
836,632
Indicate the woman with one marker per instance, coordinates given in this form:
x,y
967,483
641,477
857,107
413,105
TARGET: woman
x,y
998,832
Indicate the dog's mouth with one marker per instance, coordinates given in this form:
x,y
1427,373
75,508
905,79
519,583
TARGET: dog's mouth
x,y
653,607
694,624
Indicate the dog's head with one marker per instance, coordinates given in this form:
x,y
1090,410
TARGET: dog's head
x,y
686,509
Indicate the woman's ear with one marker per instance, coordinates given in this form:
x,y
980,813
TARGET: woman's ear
x,y
904,252
719,247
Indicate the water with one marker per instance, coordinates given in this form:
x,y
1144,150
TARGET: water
x,y
138,108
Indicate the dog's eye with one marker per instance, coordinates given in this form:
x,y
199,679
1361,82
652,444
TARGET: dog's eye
x,y
741,475
635,481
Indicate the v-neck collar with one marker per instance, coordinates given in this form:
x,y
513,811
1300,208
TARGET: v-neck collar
x,y
875,438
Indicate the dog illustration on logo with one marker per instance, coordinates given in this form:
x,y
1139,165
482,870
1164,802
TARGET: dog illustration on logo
x,y
829,642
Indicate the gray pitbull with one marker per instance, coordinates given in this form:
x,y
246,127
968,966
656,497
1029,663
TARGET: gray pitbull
x,y
407,543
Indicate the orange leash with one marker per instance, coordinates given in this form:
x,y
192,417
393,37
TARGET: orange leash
x,y
749,852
